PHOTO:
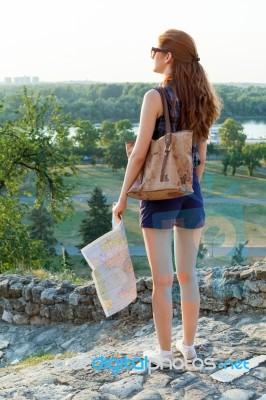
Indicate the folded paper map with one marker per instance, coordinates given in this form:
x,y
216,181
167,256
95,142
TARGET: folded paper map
x,y
112,269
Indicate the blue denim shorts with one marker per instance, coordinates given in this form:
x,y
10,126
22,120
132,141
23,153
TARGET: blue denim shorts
x,y
184,212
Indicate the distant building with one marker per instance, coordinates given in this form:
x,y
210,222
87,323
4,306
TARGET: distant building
x,y
25,80
19,80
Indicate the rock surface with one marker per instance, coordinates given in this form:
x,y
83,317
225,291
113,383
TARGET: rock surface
x,y
58,318
221,337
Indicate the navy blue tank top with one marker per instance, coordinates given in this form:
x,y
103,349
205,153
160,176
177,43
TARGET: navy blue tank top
x,y
174,115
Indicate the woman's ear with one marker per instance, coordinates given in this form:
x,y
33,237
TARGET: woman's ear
x,y
168,58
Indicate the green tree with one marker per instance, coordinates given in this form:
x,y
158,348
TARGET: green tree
x,y
112,90
262,147
123,125
66,145
238,258
98,102
252,155
115,153
226,162
203,250
30,146
31,156
235,159
86,137
98,220
107,132
231,134
42,228
17,249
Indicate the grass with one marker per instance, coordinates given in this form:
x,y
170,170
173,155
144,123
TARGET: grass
x,y
215,184
131,221
230,223
34,359
67,232
77,273
227,224
234,223
89,176
81,274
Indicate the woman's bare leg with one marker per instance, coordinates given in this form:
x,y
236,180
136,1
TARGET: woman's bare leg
x,y
186,245
159,252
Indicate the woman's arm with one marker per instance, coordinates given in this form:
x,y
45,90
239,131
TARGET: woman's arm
x,y
202,148
150,111
148,117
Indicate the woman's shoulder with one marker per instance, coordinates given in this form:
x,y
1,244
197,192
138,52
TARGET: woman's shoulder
x,y
168,90
152,95
154,91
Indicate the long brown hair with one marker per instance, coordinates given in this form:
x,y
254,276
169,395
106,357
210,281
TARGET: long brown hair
x,y
199,103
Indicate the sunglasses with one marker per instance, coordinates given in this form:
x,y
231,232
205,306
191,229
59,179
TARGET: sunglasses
x,y
154,50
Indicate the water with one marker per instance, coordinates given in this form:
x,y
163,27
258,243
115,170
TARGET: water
x,y
253,128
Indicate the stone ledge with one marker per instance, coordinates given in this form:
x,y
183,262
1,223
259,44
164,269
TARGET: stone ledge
x,y
225,289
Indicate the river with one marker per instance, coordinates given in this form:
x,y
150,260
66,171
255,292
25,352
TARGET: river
x,y
255,129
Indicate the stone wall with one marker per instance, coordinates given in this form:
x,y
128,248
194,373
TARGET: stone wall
x,y
226,290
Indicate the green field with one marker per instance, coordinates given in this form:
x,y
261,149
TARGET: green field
x,y
227,224
236,222
215,184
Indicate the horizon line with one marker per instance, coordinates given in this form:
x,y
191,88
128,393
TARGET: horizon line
x,y
2,83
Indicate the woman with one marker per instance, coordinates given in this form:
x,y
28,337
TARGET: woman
x,y
194,105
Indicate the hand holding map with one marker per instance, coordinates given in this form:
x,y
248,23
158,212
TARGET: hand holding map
x,y
112,269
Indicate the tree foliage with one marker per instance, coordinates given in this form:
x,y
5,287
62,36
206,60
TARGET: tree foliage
x,y
108,101
98,220
30,147
252,154
86,138
235,159
231,134
238,258
238,153
107,132
203,250
33,162
115,153
17,249
42,228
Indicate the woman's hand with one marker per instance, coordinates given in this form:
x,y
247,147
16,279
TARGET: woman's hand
x,y
119,208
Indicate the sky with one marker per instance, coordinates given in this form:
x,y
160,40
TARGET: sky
x,y
110,40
